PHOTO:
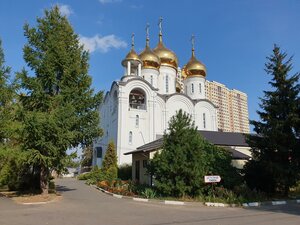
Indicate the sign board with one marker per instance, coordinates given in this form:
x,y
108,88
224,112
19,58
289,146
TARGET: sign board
x,y
212,179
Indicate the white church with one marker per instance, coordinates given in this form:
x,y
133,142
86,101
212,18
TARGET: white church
x,y
137,108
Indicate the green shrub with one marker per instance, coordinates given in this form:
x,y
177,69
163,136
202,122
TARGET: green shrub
x,y
92,177
149,193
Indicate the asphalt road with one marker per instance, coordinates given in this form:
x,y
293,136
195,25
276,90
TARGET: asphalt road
x,y
84,205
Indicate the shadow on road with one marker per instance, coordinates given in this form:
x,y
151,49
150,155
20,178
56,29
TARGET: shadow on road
x,y
293,209
61,188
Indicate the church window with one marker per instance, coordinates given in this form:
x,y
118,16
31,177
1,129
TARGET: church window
x,y
130,137
137,121
151,80
204,121
192,88
137,99
99,152
167,84
200,88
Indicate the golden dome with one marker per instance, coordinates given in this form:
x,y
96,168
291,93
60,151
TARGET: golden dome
x,y
149,58
132,56
167,57
194,67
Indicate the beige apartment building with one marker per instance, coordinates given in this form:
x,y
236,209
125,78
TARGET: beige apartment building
x,y
232,107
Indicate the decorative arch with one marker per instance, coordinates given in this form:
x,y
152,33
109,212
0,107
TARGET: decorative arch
x,y
137,99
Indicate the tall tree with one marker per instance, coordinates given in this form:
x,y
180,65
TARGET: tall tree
x,y
110,163
6,98
87,156
59,105
185,159
276,148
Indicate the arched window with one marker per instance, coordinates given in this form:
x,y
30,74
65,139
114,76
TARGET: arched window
x,y
130,138
137,121
192,88
137,99
200,88
204,121
167,84
151,80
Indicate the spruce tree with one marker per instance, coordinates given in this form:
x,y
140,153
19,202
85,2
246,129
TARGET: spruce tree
x,y
275,148
59,106
6,99
110,162
186,157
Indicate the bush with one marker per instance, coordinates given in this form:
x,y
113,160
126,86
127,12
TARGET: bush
x,y
260,176
92,177
149,193
125,172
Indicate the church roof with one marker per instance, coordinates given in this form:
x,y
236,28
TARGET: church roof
x,y
214,137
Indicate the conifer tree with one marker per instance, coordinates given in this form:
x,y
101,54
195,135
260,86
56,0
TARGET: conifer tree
x,y
6,99
110,162
276,149
185,159
59,106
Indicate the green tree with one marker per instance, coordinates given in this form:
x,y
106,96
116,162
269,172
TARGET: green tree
x,y
59,107
6,99
110,162
276,149
185,159
10,163
87,156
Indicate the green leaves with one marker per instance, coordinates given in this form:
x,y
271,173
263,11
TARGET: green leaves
x,y
186,157
110,164
277,143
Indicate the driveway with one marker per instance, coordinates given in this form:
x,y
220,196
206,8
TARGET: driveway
x,y
84,205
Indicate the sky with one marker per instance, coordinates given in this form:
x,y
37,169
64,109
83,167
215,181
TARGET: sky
x,y
232,37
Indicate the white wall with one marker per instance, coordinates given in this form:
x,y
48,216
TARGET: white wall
x,y
195,92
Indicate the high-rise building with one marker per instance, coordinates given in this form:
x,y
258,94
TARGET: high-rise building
x,y
232,107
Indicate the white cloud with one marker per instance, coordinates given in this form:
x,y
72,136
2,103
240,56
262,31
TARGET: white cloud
x,y
65,10
103,44
109,1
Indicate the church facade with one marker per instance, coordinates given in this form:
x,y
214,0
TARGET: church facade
x,y
137,108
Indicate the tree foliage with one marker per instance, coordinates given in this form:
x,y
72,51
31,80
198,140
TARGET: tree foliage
x,y
110,162
59,107
185,159
276,148
87,156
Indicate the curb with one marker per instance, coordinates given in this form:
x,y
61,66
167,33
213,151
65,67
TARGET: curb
x,y
209,204
167,202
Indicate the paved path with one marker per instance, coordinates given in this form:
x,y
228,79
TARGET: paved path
x,y
84,205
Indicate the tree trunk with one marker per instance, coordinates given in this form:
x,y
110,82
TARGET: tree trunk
x,y
44,180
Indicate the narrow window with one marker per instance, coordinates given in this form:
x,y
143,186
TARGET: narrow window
x,y
193,88
130,137
137,121
167,84
204,121
99,152
151,80
200,88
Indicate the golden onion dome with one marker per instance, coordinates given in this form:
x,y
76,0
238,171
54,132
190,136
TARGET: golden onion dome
x,y
194,67
167,57
149,58
132,56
